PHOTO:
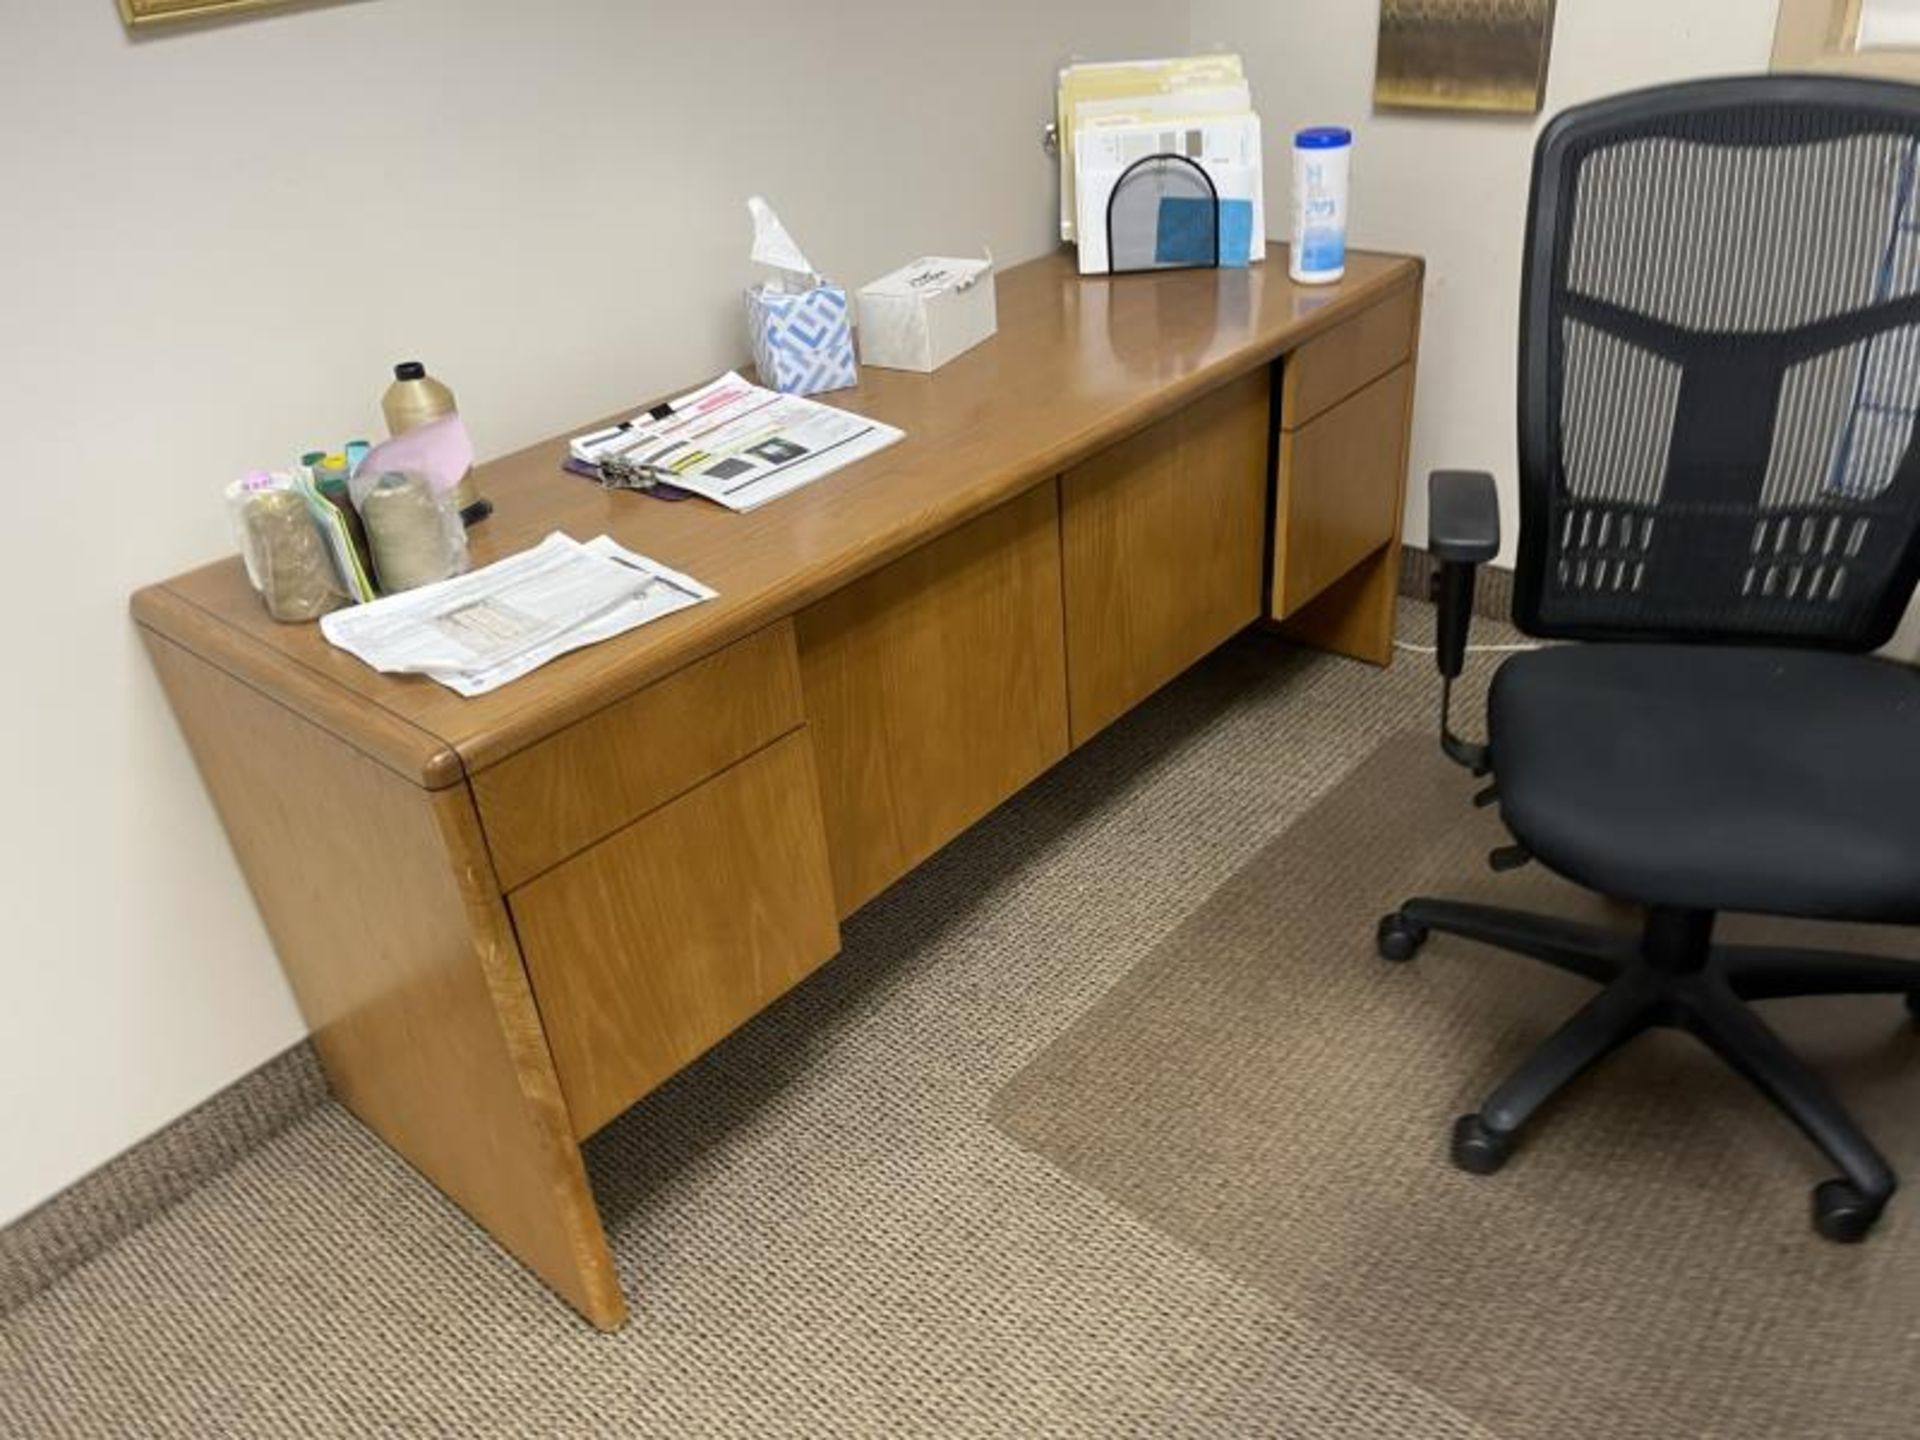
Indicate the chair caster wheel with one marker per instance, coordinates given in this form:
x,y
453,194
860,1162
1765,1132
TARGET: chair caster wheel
x,y
1399,939
1478,1150
1842,1214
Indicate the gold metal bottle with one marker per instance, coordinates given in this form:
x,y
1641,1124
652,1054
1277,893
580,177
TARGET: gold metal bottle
x,y
414,399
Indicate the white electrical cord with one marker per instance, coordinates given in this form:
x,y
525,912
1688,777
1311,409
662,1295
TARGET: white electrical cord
x,y
1413,649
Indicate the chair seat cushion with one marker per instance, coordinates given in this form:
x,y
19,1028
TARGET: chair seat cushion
x,y
1780,781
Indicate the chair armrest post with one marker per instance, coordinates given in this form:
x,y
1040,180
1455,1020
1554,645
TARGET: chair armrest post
x,y
1463,510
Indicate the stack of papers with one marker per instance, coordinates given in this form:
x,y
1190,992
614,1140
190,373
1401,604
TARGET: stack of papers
x,y
737,444
1199,108
476,632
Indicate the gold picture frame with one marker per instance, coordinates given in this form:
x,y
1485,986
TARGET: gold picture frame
x,y
140,13
1489,56
1825,35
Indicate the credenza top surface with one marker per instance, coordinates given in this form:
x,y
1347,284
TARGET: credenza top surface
x,y
1077,364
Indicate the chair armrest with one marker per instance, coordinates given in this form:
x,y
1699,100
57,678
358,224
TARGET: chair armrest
x,y
1463,532
1463,516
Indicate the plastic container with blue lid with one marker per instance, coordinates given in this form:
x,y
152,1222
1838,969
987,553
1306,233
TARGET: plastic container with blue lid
x,y
1322,159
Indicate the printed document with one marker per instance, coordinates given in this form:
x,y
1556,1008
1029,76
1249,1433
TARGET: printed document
x,y
738,444
476,632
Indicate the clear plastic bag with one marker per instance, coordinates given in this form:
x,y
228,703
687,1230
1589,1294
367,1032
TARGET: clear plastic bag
x,y
286,555
414,531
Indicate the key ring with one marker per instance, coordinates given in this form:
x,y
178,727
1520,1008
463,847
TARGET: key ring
x,y
619,473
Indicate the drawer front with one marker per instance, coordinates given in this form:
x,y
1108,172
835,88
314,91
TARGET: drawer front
x,y
656,943
1163,543
1324,372
1341,482
935,688
556,798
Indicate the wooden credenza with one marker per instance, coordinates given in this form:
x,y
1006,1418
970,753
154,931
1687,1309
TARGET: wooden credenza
x,y
507,919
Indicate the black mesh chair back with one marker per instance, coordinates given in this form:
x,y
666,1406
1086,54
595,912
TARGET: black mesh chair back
x,y
1720,366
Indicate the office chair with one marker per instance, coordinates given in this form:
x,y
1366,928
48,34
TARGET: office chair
x,y
1720,496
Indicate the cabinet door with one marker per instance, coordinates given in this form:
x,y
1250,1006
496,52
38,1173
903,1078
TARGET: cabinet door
x,y
648,948
1341,481
1163,539
554,799
934,689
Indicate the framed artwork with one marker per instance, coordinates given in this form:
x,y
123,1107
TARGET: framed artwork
x,y
141,13
1866,37
1482,55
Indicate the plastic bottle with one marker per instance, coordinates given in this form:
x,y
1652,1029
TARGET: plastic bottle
x,y
1321,161
414,399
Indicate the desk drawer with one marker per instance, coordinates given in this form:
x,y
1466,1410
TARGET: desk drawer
x,y
1341,482
656,943
555,799
1342,362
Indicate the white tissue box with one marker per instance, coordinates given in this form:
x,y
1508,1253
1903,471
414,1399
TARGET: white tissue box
x,y
802,343
920,317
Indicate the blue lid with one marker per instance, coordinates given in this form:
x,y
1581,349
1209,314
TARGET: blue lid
x,y
1323,137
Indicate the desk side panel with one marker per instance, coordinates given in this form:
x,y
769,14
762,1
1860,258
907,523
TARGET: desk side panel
x,y
386,917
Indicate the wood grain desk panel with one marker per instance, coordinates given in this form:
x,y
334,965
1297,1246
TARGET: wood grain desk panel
x,y
919,598
403,747
1347,610
1337,365
553,800
390,927
655,944
1163,540
1078,365
935,689
1341,480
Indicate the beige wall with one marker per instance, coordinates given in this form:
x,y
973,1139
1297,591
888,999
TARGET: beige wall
x,y
212,242
1454,188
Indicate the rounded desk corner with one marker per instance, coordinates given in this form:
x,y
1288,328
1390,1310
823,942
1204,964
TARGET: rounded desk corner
x,y
150,606
442,769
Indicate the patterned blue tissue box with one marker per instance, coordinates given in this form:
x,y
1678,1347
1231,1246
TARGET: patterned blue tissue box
x,y
802,344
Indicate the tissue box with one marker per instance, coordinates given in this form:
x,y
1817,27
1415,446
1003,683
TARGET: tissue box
x,y
920,317
802,343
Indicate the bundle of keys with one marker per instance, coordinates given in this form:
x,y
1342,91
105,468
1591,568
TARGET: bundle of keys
x,y
620,473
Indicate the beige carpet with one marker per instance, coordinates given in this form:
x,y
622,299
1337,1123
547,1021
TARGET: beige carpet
x,y
1265,1090
822,1229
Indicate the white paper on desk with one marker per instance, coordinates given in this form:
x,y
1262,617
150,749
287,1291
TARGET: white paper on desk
x,y
740,445
476,632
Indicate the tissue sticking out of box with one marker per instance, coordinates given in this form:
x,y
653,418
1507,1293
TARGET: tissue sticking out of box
x,y
774,248
799,324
